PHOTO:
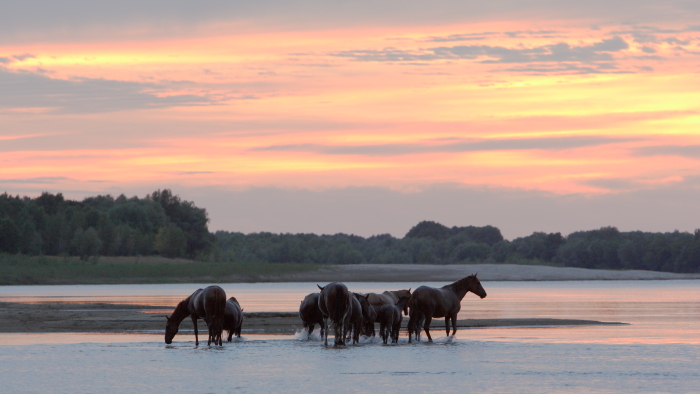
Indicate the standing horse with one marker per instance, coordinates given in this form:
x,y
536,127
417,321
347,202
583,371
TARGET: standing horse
x,y
335,304
429,302
208,304
369,315
389,317
233,318
354,320
310,314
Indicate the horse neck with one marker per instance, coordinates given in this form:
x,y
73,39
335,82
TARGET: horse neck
x,y
181,311
459,288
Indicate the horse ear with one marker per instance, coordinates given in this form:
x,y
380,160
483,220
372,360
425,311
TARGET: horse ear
x,y
319,287
409,289
167,318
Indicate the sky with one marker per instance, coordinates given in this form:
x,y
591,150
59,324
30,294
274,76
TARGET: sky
x,y
361,117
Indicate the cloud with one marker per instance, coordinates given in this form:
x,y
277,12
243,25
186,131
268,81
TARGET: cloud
x,y
47,20
557,143
690,151
556,53
86,95
461,37
37,180
24,57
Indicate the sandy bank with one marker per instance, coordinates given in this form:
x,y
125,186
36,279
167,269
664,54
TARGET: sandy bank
x,y
64,317
450,273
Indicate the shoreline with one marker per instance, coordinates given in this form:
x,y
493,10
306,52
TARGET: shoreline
x,y
133,319
450,273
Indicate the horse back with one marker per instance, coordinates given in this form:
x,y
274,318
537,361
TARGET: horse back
x,y
233,315
309,310
211,302
434,302
334,301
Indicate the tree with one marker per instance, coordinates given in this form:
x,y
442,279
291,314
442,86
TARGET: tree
x,y
171,241
86,243
9,236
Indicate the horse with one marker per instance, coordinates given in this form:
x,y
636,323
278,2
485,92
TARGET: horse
x,y
388,298
389,317
310,314
429,302
208,304
369,315
335,304
354,321
233,318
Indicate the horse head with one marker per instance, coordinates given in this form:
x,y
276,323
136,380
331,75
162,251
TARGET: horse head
x,y
403,303
475,286
171,328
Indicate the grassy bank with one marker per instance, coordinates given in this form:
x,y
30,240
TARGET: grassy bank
x,y
27,270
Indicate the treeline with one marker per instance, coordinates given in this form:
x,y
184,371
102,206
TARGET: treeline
x,y
433,243
160,223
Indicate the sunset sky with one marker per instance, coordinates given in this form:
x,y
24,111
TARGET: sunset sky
x,y
361,117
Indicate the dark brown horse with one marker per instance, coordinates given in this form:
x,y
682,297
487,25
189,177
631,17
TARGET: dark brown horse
x,y
233,318
389,318
354,320
369,315
429,302
335,304
310,314
208,304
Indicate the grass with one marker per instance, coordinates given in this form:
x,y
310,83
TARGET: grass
x,y
27,270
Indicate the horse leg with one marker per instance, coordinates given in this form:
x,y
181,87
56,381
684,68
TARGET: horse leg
x,y
196,335
411,323
454,324
426,327
325,337
447,325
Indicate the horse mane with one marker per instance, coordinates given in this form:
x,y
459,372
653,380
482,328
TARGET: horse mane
x,y
181,310
462,283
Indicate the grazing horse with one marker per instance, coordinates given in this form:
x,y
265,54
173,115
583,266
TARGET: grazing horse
x,y
335,304
233,318
208,304
388,297
369,315
310,314
429,302
389,317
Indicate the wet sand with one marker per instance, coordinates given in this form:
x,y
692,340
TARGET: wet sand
x,y
114,318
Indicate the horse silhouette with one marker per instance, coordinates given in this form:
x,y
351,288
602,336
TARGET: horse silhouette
x,y
335,304
429,302
208,304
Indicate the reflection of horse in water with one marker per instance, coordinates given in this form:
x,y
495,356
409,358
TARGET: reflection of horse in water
x,y
429,302
389,318
335,304
310,314
233,318
208,304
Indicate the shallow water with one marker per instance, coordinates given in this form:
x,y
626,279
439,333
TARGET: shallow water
x,y
659,351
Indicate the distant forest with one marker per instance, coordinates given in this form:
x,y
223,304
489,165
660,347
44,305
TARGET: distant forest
x,y
163,224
